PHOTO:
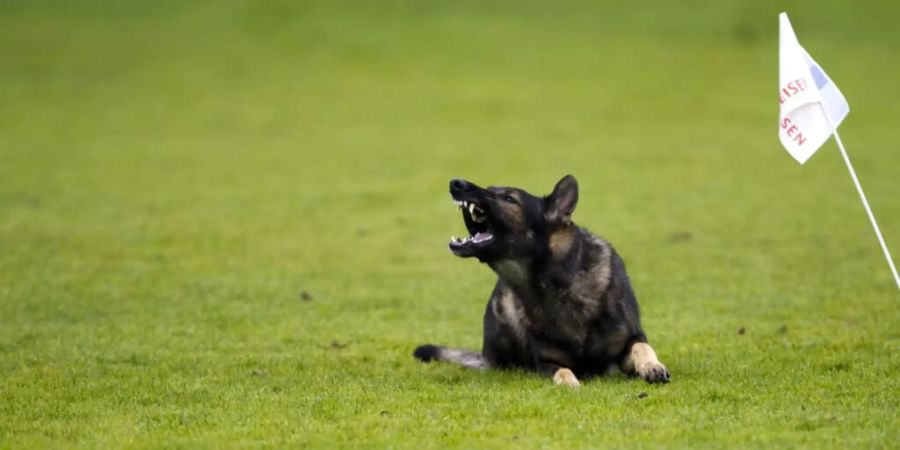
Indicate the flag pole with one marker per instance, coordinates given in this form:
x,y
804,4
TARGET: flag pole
x,y
862,195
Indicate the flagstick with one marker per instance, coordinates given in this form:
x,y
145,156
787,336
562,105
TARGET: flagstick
x,y
862,195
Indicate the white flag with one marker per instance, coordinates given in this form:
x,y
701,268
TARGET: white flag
x,y
806,96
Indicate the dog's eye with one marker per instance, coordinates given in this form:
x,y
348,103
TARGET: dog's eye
x,y
509,198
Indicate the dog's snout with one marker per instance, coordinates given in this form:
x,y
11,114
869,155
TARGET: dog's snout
x,y
459,185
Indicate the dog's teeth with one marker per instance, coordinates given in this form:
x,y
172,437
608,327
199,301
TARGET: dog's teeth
x,y
471,208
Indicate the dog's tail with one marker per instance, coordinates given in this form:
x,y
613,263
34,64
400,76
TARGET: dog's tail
x,y
465,358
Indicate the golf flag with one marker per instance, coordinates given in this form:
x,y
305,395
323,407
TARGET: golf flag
x,y
811,105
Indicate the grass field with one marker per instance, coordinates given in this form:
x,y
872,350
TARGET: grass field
x,y
224,224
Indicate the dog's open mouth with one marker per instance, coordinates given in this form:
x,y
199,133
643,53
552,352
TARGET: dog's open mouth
x,y
477,223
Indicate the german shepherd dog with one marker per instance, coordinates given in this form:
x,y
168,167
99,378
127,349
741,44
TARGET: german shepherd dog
x,y
562,305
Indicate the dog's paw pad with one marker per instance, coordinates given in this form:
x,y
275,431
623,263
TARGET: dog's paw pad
x,y
565,377
654,373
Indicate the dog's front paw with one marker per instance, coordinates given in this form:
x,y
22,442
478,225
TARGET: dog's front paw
x,y
566,377
653,372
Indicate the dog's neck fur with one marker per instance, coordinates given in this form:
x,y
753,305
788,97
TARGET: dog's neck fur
x,y
554,271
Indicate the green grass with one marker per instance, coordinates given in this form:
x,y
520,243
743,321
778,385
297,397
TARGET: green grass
x,y
173,175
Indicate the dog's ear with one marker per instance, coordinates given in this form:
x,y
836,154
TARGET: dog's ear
x,y
559,205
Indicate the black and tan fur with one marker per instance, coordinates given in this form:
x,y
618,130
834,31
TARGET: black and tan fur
x,y
562,305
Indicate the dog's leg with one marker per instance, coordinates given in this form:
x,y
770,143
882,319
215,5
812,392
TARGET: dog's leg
x,y
560,375
641,361
566,377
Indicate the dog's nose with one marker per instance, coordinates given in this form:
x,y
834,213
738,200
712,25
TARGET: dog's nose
x,y
458,185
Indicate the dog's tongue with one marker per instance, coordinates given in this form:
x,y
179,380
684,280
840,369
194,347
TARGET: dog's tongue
x,y
481,237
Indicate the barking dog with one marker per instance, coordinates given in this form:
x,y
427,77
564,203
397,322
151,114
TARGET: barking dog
x,y
562,305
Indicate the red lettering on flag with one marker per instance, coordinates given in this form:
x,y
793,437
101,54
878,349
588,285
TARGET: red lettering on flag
x,y
792,131
791,89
